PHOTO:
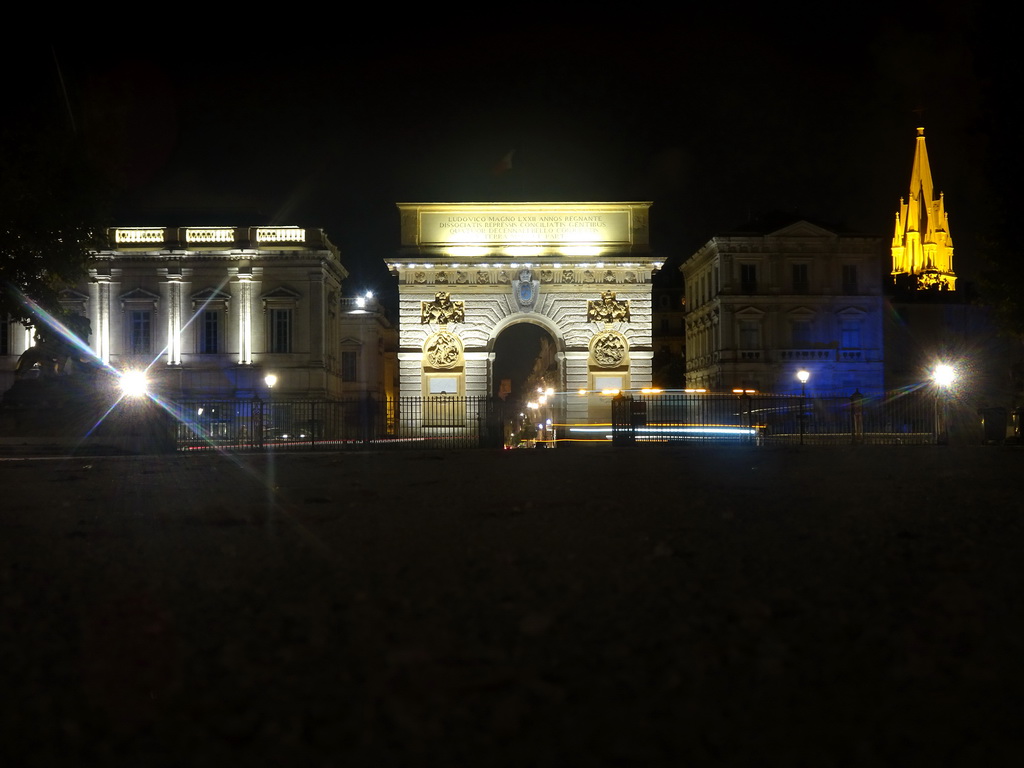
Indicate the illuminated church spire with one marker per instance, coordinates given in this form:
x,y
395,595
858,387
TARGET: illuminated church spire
x,y
921,245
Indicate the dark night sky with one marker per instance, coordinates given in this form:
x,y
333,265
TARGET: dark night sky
x,y
716,122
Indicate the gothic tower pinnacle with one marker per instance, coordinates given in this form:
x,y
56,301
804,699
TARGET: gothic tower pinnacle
x,y
921,245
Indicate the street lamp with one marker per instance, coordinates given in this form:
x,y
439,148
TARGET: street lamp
x,y
270,380
944,376
803,375
134,383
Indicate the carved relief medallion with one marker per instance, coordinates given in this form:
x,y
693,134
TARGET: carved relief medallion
x,y
609,348
442,350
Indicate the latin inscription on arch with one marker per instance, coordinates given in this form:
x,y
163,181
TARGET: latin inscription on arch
x,y
524,226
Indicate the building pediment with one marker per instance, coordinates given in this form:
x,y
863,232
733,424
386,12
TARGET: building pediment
x,y
139,294
281,293
801,228
211,298
210,294
852,313
280,298
139,298
750,313
801,312
71,295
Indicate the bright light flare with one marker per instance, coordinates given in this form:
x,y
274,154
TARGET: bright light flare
x,y
134,384
944,375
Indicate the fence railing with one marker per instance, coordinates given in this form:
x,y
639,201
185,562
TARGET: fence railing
x,y
466,422
358,423
913,418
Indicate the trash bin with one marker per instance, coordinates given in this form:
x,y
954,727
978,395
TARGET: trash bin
x,y
993,426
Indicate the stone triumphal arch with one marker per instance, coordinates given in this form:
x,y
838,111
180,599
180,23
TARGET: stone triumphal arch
x,y
468,271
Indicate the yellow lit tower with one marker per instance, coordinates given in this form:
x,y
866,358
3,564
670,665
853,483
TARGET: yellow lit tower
x,y
921,245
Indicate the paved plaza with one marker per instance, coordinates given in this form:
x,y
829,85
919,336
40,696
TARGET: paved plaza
x,y
579,606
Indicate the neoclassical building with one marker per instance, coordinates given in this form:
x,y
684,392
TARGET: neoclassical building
x,y
469,271
761,307
210,311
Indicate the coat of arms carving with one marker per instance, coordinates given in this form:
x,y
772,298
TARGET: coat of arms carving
x,y
524,290
442,310
608,310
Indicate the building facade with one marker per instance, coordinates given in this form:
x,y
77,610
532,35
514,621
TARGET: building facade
x,y
580,271
368,352
209,312
762,307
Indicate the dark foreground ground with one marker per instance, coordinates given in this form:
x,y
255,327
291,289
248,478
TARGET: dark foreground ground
x,y
836,607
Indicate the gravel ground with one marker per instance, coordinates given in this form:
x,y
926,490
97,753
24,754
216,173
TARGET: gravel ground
x,y
598,606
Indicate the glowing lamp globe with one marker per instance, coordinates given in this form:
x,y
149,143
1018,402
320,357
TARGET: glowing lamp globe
x,y
944,375
134,383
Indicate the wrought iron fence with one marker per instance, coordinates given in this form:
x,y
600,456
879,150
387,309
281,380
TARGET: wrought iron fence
x,y
466,422
904,418
358,423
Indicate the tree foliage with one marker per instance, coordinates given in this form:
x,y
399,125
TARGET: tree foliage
x,y
51,205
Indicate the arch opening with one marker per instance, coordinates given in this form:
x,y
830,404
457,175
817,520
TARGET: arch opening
x,y
525,358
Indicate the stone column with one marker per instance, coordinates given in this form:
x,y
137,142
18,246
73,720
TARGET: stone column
x,y
244,318
173,320
100,290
